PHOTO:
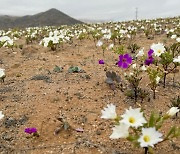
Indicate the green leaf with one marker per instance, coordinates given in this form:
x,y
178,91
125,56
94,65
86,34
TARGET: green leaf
x,y
113,75
159,125
132,138
159,119
150,150
166,58
177,132
66,125
57,69
109,81
152,120
75,69
108,74
172,130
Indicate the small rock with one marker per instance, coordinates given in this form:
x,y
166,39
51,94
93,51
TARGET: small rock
x,y
7,137
41,77
98,132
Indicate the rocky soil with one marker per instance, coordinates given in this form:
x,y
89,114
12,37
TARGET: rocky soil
x,y
66,107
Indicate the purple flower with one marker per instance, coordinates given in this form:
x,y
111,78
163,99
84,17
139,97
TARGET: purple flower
x,y
124,61
150,59
30,130
150,52
101,61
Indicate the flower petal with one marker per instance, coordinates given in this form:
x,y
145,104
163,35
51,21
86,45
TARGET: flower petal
x,y
126,56
124,65
120,131
121,58
150,52
129,60
119,63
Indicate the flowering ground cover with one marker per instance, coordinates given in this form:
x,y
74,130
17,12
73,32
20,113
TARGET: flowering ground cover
x,y
89,88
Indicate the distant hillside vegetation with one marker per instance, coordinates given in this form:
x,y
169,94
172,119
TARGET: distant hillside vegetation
x,y
52,17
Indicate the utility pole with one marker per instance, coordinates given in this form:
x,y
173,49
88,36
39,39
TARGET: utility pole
x,y
136,13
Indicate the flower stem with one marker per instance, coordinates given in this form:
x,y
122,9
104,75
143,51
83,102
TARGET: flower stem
x,y
165,80
173,79
145,150
154,94
135,94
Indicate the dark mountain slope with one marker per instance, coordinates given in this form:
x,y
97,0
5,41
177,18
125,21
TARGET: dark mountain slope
x,y
52,17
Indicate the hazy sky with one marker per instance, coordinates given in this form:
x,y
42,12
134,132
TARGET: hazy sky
x,y
95,9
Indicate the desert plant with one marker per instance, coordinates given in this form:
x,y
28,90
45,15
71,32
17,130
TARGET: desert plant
x,y
136,128
175,102
133,47
154,77
119,49
134,79
111,79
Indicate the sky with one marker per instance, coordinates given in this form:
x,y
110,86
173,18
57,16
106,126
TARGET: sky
x,y
108,10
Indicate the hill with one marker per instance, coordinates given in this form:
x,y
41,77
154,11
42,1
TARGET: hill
x,y
52,17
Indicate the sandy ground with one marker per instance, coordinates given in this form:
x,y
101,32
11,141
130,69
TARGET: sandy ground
x,y
33,95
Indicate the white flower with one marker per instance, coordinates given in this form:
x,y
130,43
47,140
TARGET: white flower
x,y
133,117
128,36
111,46
158,49
173,36
107,36
173,111
143,68
6,40
104,31
120,131
140,53
178,39
122,31
134,66
99,43
51,33
2,73
67,38
157,79
149,137
55,40
131,74
45,41
176,60
171,30
109,112
1,115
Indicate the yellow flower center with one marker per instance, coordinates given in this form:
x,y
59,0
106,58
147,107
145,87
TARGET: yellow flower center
x,y
146,138
159,51
132,120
